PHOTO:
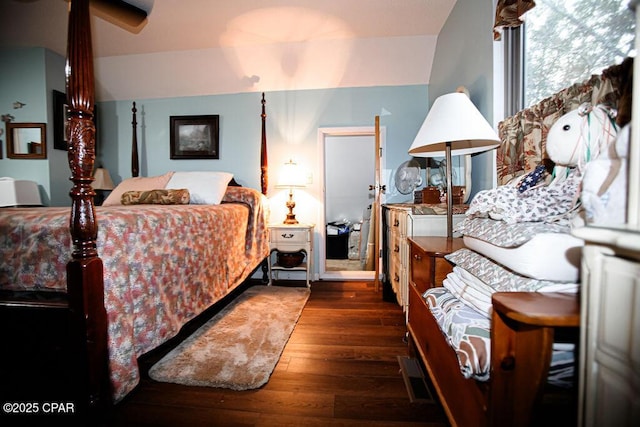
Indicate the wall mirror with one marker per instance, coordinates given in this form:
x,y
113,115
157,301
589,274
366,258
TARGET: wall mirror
x,y
26,141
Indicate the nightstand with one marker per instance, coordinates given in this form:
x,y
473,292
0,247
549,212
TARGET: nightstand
x,y
428,267
290,238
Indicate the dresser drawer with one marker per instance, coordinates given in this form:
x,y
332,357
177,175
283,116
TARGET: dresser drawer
x,y
395,245
398,222
395,270
286,236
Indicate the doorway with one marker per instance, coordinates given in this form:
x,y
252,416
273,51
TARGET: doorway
x,y
348,159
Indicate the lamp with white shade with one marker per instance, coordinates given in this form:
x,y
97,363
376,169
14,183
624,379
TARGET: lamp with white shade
x,y
453,126
291,176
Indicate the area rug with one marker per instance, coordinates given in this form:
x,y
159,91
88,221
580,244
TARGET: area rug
x,y
240,346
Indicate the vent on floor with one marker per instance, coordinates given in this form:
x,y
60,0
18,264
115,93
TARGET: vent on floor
x,y
414,380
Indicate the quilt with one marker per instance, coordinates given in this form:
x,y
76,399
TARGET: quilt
x,y
163,265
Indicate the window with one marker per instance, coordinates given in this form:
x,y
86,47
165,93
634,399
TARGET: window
x,y
566,41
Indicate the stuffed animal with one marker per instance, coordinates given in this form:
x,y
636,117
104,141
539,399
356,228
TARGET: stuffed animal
x,y
604,185
586,139
581,135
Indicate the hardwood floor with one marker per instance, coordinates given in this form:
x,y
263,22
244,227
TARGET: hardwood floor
x,y
339,368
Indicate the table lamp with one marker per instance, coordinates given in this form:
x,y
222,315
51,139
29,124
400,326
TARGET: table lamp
x,y
101,182
454,126
291,177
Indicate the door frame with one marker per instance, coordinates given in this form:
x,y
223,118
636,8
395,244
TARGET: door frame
x,y
323,133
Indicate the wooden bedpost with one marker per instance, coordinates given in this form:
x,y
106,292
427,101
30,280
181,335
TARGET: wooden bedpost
x,y
264,164
135,164
84,271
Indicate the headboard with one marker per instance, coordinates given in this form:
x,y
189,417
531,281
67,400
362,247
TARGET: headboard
x,y
523,136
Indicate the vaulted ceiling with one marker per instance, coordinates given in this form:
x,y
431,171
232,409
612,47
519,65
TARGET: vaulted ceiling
x,y
179,25
197,47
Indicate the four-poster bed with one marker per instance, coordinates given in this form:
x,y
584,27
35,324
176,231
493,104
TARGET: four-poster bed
x,y
169,263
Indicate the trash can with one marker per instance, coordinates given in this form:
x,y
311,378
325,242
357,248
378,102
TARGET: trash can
x,y
337,241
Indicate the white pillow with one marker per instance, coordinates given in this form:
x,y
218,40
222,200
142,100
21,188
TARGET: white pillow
x,y
205,188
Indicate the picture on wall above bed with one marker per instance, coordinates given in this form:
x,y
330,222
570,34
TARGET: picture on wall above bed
x,y
60,116
194,137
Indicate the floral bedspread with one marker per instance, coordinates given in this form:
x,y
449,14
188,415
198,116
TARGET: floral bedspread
x,y
163,265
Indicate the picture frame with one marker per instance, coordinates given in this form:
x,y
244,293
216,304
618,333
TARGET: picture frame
x,y
26,140
194,137
60,115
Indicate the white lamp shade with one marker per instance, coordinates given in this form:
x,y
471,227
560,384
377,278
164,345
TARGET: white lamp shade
x,y
291,176
102,180
453,118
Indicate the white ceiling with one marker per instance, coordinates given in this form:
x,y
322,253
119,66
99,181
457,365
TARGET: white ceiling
x,y
181,25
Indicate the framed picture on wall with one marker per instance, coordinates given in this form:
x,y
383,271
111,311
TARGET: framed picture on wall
x,y
194,137
60,114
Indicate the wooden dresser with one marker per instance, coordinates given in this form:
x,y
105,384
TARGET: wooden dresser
x,y
400,222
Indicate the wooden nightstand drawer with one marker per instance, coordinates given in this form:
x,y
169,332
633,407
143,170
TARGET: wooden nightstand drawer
x,y
282,235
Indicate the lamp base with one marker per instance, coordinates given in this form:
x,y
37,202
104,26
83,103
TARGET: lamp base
x,y
291,219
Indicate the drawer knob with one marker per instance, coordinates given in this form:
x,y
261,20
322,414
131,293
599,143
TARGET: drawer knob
x,y
417,257
287,235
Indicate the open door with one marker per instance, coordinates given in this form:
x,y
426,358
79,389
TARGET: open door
x,y
350,177
378,190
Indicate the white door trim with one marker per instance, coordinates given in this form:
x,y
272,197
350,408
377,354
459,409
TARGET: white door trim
x,y
323,133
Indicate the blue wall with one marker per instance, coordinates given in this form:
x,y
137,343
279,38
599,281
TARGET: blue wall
x,y
293,119
22,78
29,75
465,58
